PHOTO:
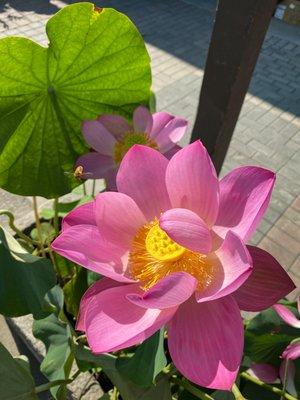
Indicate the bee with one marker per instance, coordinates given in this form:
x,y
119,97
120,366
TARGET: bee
x,y
79,173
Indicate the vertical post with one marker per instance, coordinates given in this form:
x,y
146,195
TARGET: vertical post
x,y
239,30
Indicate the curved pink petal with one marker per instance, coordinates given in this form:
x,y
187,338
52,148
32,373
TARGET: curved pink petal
x,y
84,245
265,372
95,165
142,120
142,177
160,120
118,218
171,134
170,153
292,351
244,197
187,229
112,322
81,215
170,291
115,124
291,372
287,315
192,182
232,266
98,137
97,287
267,284
206,342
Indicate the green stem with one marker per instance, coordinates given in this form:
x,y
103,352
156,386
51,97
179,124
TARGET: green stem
x,y
84,189
94,187
284,379
192,389
270,388
49,385
115,394
236,392
55,219
38,225
11,224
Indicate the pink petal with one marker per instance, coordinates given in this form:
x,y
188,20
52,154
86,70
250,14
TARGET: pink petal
x,y
95,165
192,182
142,120
115,124
118,218
81,215
187,229
170,153
160,120
287,315
206,342
244,197
267,284
292,351
112,322
97,287
98,137
171,134
232,267
170,291
265,372
84,245
291,372
142,177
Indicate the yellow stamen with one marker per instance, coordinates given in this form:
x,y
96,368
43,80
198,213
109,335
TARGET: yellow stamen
x,y
130,139
154,255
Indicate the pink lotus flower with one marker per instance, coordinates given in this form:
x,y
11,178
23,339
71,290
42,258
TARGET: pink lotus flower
x,y
111,136
268,373
171,247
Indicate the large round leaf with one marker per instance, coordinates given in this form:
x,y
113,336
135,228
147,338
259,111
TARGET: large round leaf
x,y
96,63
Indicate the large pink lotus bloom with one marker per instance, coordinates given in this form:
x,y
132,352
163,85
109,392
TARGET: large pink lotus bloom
x,y
111,136
268,373
171,247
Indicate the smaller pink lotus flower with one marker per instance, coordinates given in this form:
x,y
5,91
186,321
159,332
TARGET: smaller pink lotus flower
x,y
111,136
268,373
171,245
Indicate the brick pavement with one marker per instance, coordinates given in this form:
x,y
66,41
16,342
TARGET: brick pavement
x,y
177,33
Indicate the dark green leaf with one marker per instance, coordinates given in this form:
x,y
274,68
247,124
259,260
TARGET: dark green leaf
x,y
267,335
56,336
222,395
92,277
64,267
129,391
24,279
16,383
146,363
74,290
96,63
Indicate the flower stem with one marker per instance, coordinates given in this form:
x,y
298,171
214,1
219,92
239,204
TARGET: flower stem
x,y
270,388
285,379
94,187
236,392
49,385
11,224
192,389
38,226
55,219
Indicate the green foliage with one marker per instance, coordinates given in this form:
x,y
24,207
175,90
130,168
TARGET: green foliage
x,y
16,382
74,290
267,335
47,233
24,279
64,208
129,391
56,336
147,362
96,63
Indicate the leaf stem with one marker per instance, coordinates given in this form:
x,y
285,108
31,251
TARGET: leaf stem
x,y
84,189
270,388
94,187
55,218
49,385
190,388
38,225
236,392
11,224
